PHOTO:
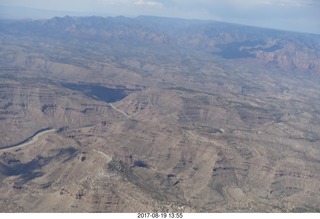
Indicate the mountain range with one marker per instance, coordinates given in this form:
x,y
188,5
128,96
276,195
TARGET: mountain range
x,y
150,114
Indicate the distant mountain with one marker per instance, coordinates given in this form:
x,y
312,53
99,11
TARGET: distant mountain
x,y
288,50
88,28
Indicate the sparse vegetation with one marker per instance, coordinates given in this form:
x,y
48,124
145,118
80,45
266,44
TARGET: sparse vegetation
x,y
186,131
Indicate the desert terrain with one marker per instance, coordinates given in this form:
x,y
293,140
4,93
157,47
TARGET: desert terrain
x,y
155,114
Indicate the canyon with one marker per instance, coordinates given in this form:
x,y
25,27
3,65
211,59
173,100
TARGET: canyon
x,y
152,114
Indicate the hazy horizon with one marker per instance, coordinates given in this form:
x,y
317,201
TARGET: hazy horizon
x,y
294,15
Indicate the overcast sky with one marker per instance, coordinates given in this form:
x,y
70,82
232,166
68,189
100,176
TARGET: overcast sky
x,y
296,15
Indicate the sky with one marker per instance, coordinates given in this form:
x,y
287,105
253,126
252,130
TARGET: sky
x,y
294,15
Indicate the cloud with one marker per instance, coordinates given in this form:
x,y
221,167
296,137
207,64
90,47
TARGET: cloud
x,y
114,1
147,3
241,4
